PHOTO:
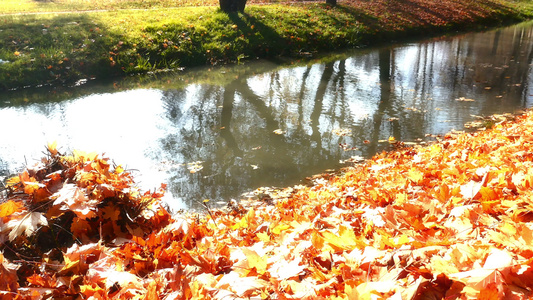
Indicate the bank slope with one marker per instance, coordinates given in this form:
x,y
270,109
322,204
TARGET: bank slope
x,y
70,48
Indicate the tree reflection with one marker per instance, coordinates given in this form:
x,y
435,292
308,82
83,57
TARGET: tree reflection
x,y
403,91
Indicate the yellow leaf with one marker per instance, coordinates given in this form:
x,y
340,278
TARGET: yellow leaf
x,y
350,289
401,198
52,148
84,156
508,229
243,223
279,228
9,208
263,237
71,266
401,240
343,240
255,261
368,290
13,181
415,175
119,169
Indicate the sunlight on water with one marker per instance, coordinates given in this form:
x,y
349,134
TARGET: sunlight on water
x,y
125,126
218,140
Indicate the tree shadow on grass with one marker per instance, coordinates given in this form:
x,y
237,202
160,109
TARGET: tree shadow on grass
x,y
266,41
61,49
462,12
394,19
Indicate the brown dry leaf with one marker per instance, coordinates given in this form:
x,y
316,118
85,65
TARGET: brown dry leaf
x,y
28,224
8,273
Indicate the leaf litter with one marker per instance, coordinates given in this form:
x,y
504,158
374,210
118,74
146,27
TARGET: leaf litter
x,y
448,220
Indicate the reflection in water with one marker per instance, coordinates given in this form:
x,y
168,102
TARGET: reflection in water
x,y
216,142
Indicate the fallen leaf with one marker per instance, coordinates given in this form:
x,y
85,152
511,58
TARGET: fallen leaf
x,y
10,207
28,225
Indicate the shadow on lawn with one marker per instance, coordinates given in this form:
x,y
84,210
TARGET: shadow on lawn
x,y
413,15
267,42
55,50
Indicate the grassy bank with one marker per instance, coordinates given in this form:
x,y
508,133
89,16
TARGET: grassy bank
x,y
134,37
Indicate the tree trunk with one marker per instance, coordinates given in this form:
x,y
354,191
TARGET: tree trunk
x,y
331,2
232,5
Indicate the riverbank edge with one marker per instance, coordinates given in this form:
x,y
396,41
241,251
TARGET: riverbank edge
x,y
37,70
441,219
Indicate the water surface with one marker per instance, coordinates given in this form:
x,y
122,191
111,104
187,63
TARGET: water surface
x,y
270,125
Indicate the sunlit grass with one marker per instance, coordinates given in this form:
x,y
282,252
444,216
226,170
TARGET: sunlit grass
x,y
26,6
64,47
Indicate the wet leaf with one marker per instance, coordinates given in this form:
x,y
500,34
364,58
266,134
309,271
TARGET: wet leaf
x,y
463,99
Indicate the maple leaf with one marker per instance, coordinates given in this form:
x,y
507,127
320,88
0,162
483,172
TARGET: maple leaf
x,y
471,189
111,212
8,273
10,207
255,261
497,264
490,292
369,290
284,270
112,277
28,225
415,175
242,286
344,239
81,228
71,197
52,148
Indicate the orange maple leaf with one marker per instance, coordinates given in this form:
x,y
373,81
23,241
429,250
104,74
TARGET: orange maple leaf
x,y
10,207
71,197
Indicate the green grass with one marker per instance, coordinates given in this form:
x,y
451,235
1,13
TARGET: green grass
x,y
27,6
53,48
56,48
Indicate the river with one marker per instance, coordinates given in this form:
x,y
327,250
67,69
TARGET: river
x,y
216,133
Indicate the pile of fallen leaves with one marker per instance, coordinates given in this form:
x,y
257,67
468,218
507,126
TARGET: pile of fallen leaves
x,y
63,221
450,220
